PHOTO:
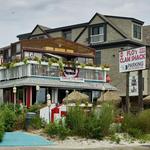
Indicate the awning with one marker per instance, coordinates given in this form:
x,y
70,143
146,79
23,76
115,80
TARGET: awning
x,y
55,82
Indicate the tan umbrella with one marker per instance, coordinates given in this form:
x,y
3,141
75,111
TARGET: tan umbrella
x,y
110,96
76,97
146,100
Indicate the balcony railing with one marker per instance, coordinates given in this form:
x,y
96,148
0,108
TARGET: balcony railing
x,y
96,38
34,69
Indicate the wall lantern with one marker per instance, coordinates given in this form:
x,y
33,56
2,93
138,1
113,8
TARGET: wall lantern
x,y
37,87
14,89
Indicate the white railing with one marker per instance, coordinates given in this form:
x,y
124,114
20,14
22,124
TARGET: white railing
x,y
96,38
44,70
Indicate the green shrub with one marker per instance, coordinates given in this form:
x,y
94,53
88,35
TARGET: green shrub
x,y
55,129
135,132
1,131
75,120
144,121
115,128
20,122
9,118
136,125
130,121
106,117
35,108
96,124
36,123
145,137
10,106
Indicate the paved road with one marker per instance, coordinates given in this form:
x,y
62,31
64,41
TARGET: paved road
x,y
145,147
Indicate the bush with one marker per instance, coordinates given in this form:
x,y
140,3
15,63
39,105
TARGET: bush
x,y
35,108
55,129
9,118
75,120
143,121
137,125
9,106
96,124
37,123
20,122
1,131
106,117
135,132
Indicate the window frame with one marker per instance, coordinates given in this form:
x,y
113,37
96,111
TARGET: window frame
x,y
103,25
133,31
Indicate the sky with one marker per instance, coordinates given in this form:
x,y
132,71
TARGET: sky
x,y
21,16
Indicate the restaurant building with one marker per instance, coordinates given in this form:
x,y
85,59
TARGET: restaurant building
x,y
32,68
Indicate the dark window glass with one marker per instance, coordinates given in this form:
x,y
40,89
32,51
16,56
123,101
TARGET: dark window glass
x,y
98,57
137,31
97,34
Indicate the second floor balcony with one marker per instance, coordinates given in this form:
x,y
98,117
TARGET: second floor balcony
x,y
53,71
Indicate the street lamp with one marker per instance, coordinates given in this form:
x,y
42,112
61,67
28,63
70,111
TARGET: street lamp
x,y
14,92
37,89
67,92
49,105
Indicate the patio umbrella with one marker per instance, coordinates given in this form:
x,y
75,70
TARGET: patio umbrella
x,y
110,96
146,100
76,97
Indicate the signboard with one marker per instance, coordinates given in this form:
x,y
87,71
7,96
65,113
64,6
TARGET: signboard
x,y
131,60
71,72
133,85
71,75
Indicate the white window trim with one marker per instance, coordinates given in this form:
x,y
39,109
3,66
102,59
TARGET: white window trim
x,y
141,32
96,35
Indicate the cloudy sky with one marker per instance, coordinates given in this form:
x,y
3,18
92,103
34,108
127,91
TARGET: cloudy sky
x,y
21,16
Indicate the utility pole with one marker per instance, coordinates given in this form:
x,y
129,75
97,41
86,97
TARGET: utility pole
x,y
127,92
140,89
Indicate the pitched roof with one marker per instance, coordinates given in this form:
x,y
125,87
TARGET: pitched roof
x,y
50,30
129,18
106,20
105,17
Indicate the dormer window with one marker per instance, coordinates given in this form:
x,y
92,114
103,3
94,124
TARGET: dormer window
x,y
137,30
97,34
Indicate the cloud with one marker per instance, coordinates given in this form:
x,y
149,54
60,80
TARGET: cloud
x,y
21,16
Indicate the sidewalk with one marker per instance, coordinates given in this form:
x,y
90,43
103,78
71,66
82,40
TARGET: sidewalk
x,y
83,148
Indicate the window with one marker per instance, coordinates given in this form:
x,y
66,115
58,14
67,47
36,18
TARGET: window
x,y
67,34
18,48
137,31
9,52
98,57
97,34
